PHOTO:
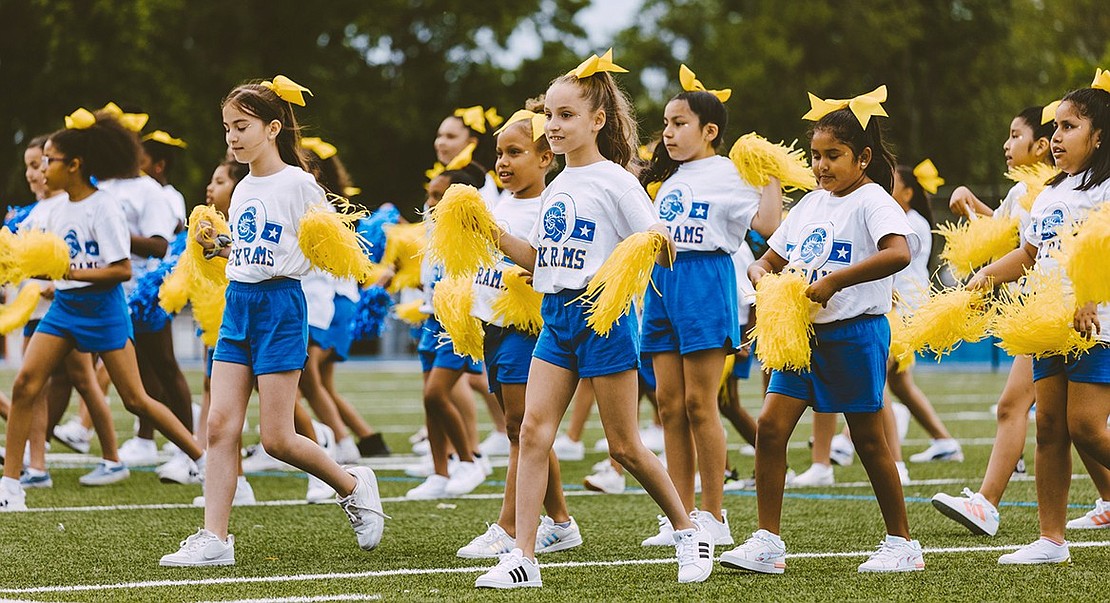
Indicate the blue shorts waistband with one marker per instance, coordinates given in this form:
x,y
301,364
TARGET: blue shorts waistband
x,y
274,284
836,324
90,290
567,294
695,255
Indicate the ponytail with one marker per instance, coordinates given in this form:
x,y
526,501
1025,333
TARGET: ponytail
x,y
618,138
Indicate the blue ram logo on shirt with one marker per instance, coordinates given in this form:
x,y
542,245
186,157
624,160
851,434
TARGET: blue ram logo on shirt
x,y
73,243
555,221
814,245
670,206
1050,223
248,225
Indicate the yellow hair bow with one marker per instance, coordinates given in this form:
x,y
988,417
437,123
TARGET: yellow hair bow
x,y
463,159
644,152
317,145
492,118
132,121
538,121
1102,79
1049,112
287,90
433,171
165,138
690,83
864,106
596,64
476,118
80,119
351,191
928,176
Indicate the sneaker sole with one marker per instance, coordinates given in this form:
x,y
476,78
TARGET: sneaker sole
x,y
702,577
1065,562
900,570
595,488
562,545
960,518
946,458
114,480
78,449
209,563
479,583
751,566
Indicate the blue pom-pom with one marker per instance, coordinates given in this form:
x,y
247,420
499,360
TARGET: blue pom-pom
x,y
177,246
16,215
370,313
143,302
371,229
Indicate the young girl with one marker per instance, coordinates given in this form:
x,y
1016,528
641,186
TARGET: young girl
x,y
523,160
88,312
589,208
1073,393
1028,143
847,239
690,314
263,338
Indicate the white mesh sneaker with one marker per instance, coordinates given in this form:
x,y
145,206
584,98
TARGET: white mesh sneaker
x,y
244,495
201,549
940,450
495,444
764,553
694,550
1095,519
105,473
817,475
319,492
180,470
138,452
257,460
492,544
972,510
718,529
464,479
895,554
842,452
514,570
364,508
552,537
568,450
346,451
1039,551
432,488
12,500
607,480
74,435
665,537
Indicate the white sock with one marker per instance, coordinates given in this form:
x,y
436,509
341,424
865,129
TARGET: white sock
x,y
11,485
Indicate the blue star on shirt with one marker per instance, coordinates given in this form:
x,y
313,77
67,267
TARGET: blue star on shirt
x,y
699,210
272,232
583,230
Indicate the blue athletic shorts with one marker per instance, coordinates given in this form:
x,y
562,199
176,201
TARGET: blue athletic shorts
x,y
1092,367
434,354
647,371
742,367
508,355
848,369
339,332
29,328
94,318
566,341
692,307
265,326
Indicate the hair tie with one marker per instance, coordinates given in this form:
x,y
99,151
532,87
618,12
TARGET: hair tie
x,y
596,64
690,83
927,176
864,106
287,90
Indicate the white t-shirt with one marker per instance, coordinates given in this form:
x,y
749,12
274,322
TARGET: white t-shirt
x,y
584,213
39,217
319,296
825,233
1054,210
347,287
518,218
489,192
912,282
177,202
148,215
745,292
707,206
1011,208
95,229
266,215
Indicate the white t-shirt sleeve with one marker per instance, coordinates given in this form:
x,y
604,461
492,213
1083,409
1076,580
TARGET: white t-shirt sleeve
x,y
110,227
634,212
884,217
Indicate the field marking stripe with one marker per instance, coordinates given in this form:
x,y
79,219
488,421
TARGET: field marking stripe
x,y
466,570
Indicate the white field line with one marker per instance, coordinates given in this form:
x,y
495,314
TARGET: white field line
x,y
316,599
465,570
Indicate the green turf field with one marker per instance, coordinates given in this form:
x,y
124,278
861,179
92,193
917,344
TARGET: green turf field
x,y
83,544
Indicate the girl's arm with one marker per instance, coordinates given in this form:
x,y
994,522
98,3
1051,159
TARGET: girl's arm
x,y
893,255
964,202
518,250
771,262
1008,269
117,272
149,247
769,215
206,237
666,255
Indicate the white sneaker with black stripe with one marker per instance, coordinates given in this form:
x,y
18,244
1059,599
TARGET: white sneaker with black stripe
x,y
513,571
694,549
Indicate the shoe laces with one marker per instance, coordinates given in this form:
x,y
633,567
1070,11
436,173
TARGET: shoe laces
x,y
968,493
195,541
351,508
490,536
508,560
686,549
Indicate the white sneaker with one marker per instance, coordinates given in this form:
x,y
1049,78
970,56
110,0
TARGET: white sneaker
x,y
435,486
106,472
1096,518
569,450
364,508
607,480
12,500
843,451
423,468
325,438
902,416
817,475
33,478
258,460
552,538
346,451
602,445
903,473
514,570
972,510
483,461
722,536
138,452
493,543
464,479
940,450
652,437
746,450
495,444
694,550
201,549
1039,551
420,438
74,435
764,552
665,537
244,495
422,448
895,554
600,465
319,492
180,470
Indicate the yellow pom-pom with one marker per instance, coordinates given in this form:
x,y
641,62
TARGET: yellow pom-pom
x,y
946,319
726,372
463,231
623,277
174,292
653,189
901,350
17,313
971,244
519,304
1085,257
758,160
452,299
1035,177
410,312
1039,321
404,247
208,311
32,253
331,243
785,326
197,279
